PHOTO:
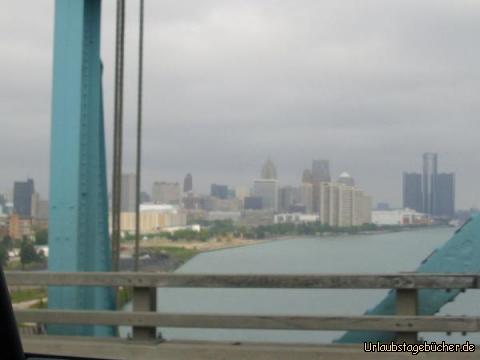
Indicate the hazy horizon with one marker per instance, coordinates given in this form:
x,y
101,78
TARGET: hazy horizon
x,y
368,85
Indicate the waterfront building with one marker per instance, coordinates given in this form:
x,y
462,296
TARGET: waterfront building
x,y
400,217
22,197
166,193
267,190
412,191
154,218
295,218
269,171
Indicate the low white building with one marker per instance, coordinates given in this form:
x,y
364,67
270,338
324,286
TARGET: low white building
x,y
399,217
295,218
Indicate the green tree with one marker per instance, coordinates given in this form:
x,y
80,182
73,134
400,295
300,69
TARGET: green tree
x,y
3,255
27,253
41,237
7,242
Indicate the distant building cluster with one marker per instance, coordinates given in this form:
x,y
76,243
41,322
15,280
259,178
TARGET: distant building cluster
x,y
318,198
430,192
23,212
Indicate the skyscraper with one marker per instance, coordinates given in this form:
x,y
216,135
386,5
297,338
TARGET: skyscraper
x,y
22,197
321,171
346,179
188,183
129,192
166,193
267,190
429,182
219,191
307,176
412,191
445,198
269,171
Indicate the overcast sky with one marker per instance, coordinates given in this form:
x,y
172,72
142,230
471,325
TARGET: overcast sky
x,y
368,84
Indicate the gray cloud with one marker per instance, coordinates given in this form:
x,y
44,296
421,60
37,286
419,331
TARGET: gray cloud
x,y
368,84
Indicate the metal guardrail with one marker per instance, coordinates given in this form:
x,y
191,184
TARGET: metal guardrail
x,y
144,319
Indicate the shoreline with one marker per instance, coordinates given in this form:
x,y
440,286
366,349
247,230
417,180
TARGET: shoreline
x,y
163,257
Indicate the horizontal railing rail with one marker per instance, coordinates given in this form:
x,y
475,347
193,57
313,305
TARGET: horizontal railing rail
x,y
144,319
302,281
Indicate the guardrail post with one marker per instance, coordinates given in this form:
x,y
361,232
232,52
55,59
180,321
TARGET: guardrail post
x,y
144,299
406,304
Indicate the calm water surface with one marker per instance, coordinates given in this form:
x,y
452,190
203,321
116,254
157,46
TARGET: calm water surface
x,y
380,253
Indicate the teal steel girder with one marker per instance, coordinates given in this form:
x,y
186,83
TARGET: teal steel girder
x,y
78,226
460,254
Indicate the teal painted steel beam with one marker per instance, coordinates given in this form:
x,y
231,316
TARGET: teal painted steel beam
x,y
78,225
460,254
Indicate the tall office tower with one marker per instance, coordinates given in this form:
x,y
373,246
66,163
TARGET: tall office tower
x,y
345,205
188,183
362,208
306,197
39,207
445,197
320,171
269,171
267,190
429,182
219,191
307,176
166,193
287,197
129,192
412,191
346,178
22,197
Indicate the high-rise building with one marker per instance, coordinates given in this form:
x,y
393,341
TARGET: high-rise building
x,y
306,197
346,178
219,191
129,192
412,191
321,171
445,198
267,190
39,207
253,203
269,171
22,197
429,182
188,183
287,197
307,176
166,193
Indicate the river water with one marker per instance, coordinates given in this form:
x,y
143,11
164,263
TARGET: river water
x,y
373,253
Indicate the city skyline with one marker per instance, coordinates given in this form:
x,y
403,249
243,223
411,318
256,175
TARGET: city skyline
x,y
292,82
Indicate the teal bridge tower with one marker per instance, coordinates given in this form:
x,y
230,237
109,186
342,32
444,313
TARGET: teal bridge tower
x,y
78,228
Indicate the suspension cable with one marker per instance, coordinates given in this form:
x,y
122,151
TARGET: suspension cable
x,y
139,135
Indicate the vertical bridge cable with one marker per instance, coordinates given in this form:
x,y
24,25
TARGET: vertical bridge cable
x,y
118,131
139,136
